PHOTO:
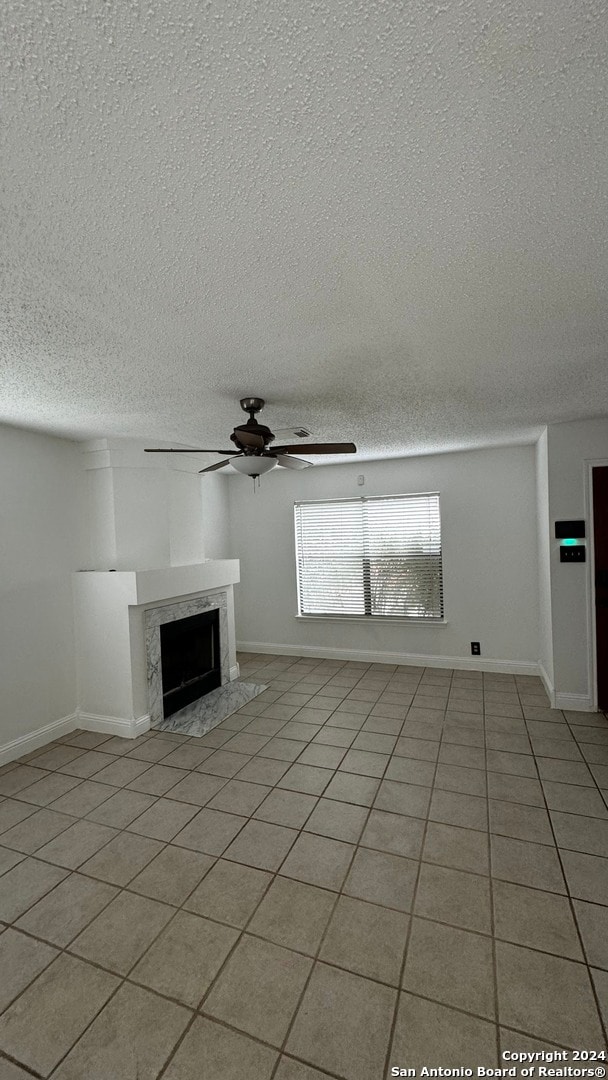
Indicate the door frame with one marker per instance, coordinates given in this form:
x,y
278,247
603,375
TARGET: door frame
x,y
593,463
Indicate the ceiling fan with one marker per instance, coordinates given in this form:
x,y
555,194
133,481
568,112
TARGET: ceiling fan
x,y
253,454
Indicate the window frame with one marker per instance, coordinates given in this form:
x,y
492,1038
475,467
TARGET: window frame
x,y
367,616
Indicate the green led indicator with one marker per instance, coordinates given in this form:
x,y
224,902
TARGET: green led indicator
x,y
569,543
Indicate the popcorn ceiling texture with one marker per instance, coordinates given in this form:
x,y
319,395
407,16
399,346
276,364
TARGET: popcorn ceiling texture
x,y
388,219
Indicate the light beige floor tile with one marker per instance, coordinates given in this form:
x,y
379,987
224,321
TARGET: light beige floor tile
x,y
467,757
341,821
572,831
259,989
306,778
290,1069
520,822
211,1050
47,790
172,875
536,865
8,859
42,1024
417,749
382,879
246,744
411,771
334,736
197,788
13,1072
293,914
283,749
156,749
22,776
84,798
501,761
354,1044
318,860
575,799
132,1037
346,787
324,757
592,920
262,770
12,812
364,763
57,756
229,893
261,844
21,960
188,756
76,844
157,779
24,884
185,958
396,798
454,808
239,797
458,778
65,911
433,1035
36,831
455,897
600,982
462,849
124,930
547,996
565,772
122,858
87,765
289,808
541,920
223,763
394,833
164,819
121,809
587,876
517,789
211,831
366,939
437,959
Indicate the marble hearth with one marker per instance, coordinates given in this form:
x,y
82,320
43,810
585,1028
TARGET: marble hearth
x,y
118,615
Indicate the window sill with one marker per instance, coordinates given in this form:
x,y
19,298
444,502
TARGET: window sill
x,y
372,619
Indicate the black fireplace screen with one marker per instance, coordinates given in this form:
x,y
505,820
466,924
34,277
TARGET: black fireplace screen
x,y
190,659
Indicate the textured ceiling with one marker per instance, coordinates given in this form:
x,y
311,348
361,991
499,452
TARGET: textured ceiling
x,y
388,219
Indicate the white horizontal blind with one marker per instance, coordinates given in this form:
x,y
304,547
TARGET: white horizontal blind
x,y
372,556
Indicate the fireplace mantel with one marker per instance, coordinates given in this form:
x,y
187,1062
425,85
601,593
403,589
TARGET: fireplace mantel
x,y
110,609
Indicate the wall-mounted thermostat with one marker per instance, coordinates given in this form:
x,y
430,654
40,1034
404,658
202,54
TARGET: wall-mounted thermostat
x,y
574,553
573,530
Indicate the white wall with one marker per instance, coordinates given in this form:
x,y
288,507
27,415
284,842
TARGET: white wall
x,y
571,449
40,544
544,562
215,512
488,511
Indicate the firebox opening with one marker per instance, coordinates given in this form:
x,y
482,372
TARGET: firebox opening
x,y
190,659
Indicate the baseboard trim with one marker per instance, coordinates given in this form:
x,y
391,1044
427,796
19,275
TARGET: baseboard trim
x,y
462,663
548,685
234,672
574,702
114,725
24,744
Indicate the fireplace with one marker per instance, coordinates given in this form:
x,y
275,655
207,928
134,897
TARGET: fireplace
x,y
190,659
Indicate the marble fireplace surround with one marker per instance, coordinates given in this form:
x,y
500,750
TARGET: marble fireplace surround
x,y
156,617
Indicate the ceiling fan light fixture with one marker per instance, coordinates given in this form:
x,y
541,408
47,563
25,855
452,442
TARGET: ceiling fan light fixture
x,y
254,465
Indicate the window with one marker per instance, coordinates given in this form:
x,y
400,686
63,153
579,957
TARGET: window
x,y
379,557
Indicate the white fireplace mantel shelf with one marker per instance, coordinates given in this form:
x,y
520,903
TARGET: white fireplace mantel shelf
x,y
148,586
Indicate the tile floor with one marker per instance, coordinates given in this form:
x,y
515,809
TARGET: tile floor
x,y
366,866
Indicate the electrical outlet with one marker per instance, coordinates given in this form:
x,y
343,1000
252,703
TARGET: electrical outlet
x,y
475,648
361,480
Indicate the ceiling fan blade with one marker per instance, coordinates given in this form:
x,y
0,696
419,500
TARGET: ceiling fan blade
x,y
292,462
218,465
317,448
159,450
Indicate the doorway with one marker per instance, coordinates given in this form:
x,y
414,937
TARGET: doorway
x,y
600,545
